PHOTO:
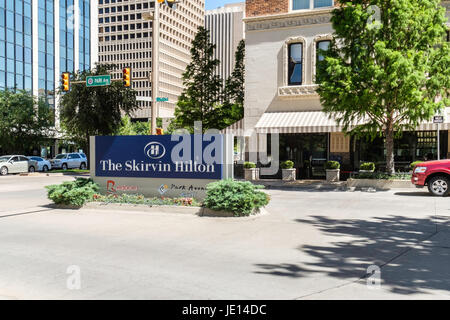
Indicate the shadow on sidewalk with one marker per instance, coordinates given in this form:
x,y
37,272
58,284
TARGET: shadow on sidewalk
x,y
386,242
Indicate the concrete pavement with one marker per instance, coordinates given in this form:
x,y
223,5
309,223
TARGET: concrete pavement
x,y
312,245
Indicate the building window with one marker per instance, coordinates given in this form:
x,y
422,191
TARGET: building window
x,y
310,4
295,66
321,46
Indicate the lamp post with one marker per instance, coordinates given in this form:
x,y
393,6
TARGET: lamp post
x,y
154,17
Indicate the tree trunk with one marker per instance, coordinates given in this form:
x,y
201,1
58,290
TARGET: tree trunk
x,y
390,167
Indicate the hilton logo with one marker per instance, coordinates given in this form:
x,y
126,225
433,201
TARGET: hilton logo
x,y
155,150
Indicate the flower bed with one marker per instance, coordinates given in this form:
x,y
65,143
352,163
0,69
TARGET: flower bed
x,y
140,199
225,198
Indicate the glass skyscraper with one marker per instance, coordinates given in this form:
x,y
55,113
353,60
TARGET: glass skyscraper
x,y
40,39
16,45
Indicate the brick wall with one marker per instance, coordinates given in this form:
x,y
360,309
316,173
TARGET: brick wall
x,y
265,7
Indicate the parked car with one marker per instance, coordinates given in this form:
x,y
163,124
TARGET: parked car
x,y
69,161
434,174
42,164
16,164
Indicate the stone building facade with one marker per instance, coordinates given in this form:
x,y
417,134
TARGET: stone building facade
x,y
282,41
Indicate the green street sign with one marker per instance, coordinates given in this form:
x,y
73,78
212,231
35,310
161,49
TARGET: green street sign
x,y
95,81
159,99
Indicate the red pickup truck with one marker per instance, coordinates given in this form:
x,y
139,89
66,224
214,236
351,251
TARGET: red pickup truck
x,y
435,175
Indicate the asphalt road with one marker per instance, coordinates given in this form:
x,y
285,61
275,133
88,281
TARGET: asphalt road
x,y
311,245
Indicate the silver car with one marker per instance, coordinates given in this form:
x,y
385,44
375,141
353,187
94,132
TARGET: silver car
x,y
16,164
42,164
72,160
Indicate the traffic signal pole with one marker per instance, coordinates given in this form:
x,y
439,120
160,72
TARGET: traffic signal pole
x,y
155,65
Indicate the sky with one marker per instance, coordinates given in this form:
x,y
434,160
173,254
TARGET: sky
x,y
212,4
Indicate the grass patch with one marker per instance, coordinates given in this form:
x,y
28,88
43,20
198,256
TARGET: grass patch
x,y
69,171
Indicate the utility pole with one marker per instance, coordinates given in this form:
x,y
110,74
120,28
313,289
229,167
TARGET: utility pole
x,y
154,17
154,78
438,143
155,65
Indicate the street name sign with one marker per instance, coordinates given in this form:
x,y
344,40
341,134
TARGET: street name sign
x,y
162,99
438,119
96,81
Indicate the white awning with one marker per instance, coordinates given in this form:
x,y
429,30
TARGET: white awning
x,y
236,128
318,122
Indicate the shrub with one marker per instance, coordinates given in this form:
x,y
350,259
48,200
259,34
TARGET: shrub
x,y
415,163
383,176
287,164
249,165
239,197
332,165
74,193
369,166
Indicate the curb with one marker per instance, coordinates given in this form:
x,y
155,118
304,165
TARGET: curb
x,y
50,174
342,187
199,211
143,208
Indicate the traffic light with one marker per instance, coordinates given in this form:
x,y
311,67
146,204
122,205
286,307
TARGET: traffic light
x,y
65,79
126,76
159,131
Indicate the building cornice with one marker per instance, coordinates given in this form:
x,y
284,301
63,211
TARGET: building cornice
x,y
296,18
288,20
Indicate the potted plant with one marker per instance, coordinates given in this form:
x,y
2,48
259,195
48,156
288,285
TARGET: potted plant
x,y
332,168
251,172
288,172
367,167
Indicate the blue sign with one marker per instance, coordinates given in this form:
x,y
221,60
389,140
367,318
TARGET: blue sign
x,y
160,156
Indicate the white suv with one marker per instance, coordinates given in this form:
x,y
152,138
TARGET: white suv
x,y
69,161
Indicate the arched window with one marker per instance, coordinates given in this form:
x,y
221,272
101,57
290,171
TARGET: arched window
x,y
295,63
321,46
321,43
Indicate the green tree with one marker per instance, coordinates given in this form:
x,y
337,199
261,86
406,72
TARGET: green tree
x,y
387,66
25,121
234,87
200,100
90,111
129,128
232,109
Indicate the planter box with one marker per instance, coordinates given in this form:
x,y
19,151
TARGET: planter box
x,y
251,174
333,175
380,184
288,174
366,171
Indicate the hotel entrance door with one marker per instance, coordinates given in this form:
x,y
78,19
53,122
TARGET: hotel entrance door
x,y
307,151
